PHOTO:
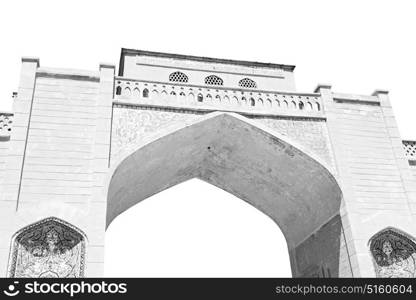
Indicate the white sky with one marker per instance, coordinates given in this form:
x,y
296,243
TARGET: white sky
x,y
195,229
357,46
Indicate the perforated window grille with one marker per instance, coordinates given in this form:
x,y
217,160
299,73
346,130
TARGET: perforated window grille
x,y
178,77
247,83
6,121
213,80
410,149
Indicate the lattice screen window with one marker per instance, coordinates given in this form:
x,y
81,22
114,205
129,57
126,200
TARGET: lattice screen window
x,y
178,77
247,83
213,80
410,149
5,124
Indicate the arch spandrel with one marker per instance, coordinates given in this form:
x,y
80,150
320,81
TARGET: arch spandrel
x,y
240,156
133,127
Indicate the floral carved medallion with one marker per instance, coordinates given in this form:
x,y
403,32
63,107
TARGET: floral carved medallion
x,y
394,254
50,248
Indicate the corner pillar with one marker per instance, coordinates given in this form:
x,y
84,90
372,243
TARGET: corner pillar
x,y
99,168
13,169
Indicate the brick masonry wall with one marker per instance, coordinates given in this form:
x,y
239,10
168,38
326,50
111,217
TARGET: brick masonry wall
x,y
67,119
368,157
413,168
369,173
6,121
3,153
59,160
59,144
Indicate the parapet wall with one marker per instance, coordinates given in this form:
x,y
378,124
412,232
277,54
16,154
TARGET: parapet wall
x,y
155,66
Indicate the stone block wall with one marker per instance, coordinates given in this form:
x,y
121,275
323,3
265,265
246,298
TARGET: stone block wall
x,y
372,167
6,123
70,129
60,141
50,159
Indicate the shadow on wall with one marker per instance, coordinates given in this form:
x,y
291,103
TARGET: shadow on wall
x,y
323,254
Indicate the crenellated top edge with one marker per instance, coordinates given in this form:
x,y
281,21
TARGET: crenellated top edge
x,y
343,97
69,73
255,64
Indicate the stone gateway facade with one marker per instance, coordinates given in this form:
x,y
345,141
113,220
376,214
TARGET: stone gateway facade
x,y
81,147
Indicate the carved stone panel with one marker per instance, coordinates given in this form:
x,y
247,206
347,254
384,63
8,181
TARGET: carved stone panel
x,y
309,133
50,248
394,254
131,125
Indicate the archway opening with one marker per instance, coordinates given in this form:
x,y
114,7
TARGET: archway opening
x,y
195,229
258,165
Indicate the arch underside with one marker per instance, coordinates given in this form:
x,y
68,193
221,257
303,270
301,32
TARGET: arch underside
x,y
232,153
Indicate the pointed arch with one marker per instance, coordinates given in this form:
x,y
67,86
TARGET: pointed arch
x,y
48,239
276,103
226,100
262,149
136,92
235,101
126,92
191,97
200,97
145,93
394,253
293,105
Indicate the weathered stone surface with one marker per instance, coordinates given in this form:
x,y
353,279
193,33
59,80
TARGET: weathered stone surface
x,y
330,169
131,125
310,133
